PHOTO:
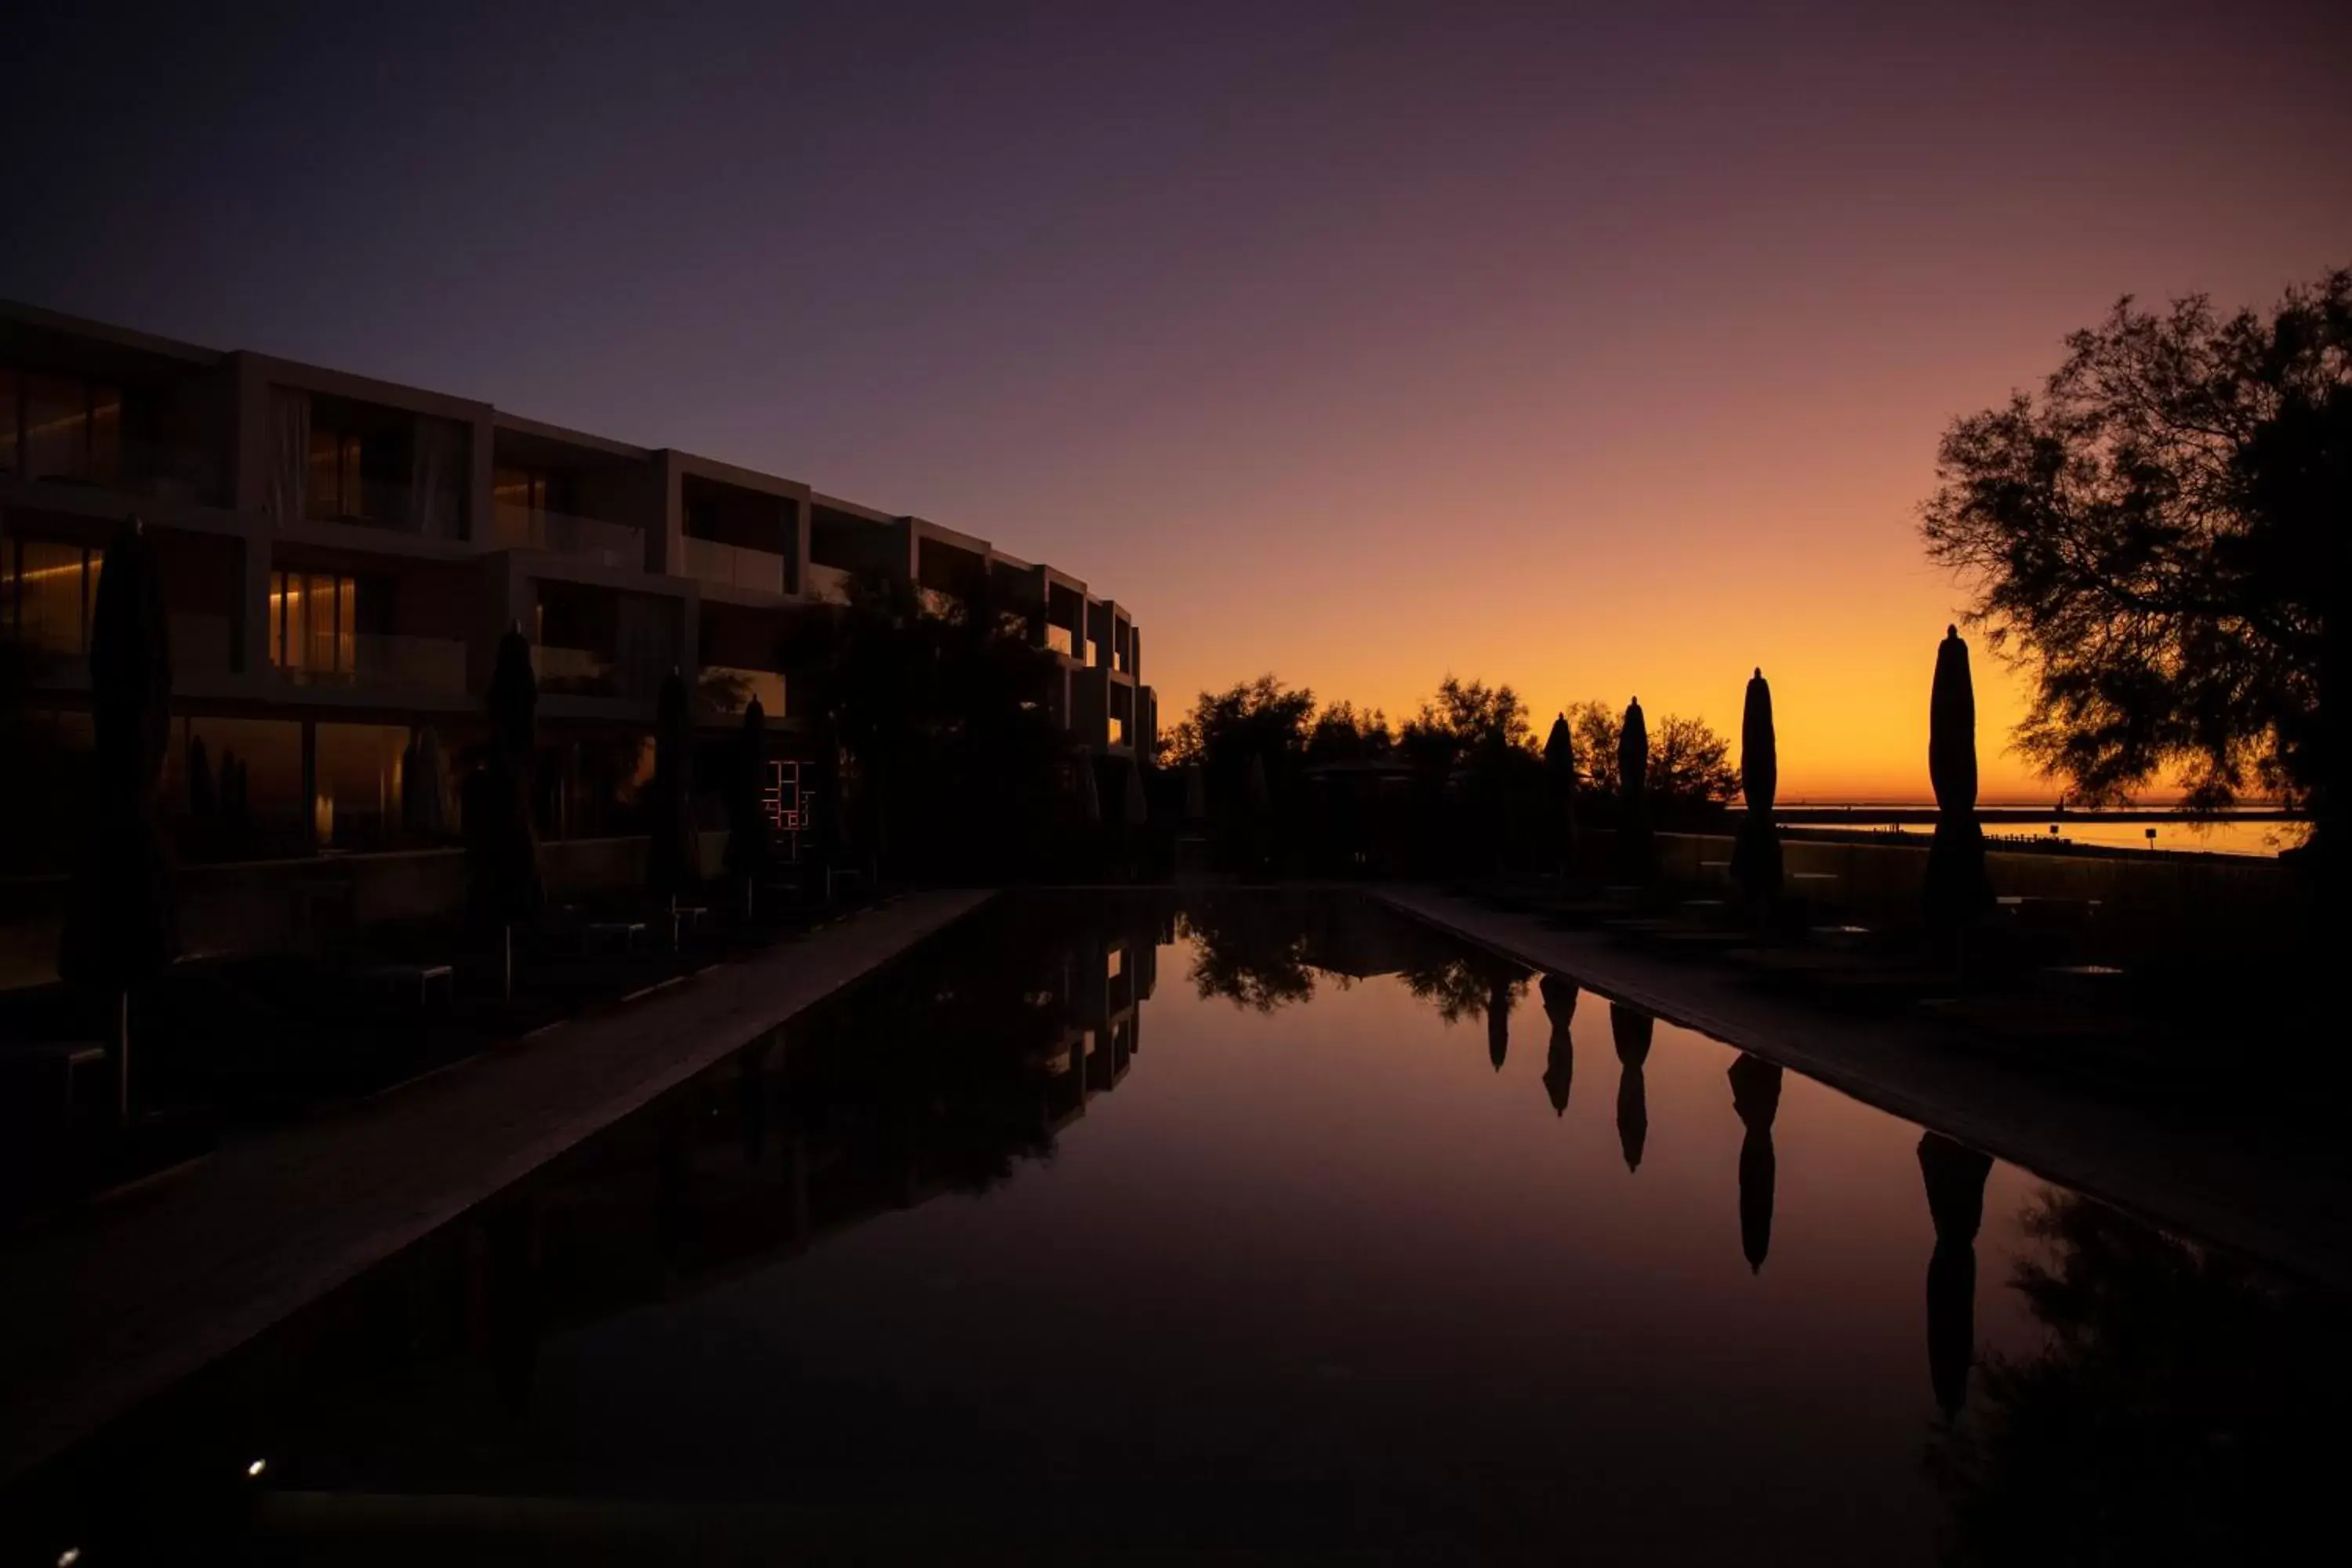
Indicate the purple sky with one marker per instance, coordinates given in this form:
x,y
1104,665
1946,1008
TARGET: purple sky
x,y
1604,354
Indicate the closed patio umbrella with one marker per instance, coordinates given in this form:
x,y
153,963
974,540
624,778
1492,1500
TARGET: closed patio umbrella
x,y
1958,890
1134,806
1756,852
1559,778
750,835
1633,793
123,923
673,847
501,840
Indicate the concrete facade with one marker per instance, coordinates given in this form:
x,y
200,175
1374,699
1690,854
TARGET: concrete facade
x,y
343,552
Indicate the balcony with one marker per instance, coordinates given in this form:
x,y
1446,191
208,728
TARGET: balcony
x,y
734,566
434,665
1058,641
583,538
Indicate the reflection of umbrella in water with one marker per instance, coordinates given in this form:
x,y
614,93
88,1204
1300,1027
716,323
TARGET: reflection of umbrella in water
x,y
1956,1176
1559,1065
1498,1020
1631,1030
1756,1095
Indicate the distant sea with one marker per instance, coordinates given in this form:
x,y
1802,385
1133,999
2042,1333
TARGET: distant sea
x,y
2122,828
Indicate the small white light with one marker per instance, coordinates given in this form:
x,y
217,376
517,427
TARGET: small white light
x,y
68,1557
255,1467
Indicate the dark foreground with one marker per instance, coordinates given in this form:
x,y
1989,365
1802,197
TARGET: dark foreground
x,y
1277,1223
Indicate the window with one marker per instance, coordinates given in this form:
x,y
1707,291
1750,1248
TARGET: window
x,y
313,622
336,489
60,428
52,590
1117,730
522,489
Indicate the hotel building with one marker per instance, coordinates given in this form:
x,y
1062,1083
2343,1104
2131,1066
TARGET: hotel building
x,y
341,554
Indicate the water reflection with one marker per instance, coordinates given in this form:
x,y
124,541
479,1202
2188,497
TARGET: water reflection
x,y
1631,1030
1756,1096
1560,1062
2183,1406
905,1245
1956,1183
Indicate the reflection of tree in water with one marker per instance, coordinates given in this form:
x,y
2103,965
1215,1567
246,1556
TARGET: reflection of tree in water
x,y
2187,1407
1466,986
1265,951
1245,957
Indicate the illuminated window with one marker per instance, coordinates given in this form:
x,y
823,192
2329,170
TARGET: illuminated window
x,y
52,590
60,428
313,622
1117,730
524,489
336,491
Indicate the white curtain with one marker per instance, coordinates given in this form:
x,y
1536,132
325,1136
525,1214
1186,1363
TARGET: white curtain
x,y
289,454
436,478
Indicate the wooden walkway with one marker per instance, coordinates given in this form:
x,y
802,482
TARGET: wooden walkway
x,y
2276,1198
113,1302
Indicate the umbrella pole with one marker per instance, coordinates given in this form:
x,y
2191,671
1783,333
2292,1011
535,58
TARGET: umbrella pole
x,y
122,1056
505,960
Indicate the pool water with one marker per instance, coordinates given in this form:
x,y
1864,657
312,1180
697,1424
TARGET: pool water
x,y
1256,1220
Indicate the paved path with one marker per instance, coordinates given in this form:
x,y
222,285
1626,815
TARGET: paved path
x,y
113,1302
2276,1198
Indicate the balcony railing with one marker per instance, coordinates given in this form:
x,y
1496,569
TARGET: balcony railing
x,y
584,672
571,670
734,566
1058,641
162,471
434,665
584,538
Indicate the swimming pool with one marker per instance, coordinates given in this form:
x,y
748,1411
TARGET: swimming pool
x,y
1236,1219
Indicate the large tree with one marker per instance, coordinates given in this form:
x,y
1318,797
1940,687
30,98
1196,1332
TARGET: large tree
x,y
2153,537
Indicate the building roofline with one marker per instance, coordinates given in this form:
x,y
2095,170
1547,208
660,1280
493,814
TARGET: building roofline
x,y
503,420
17,311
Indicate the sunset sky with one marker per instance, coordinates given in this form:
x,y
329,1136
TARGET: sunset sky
x,y
1601,354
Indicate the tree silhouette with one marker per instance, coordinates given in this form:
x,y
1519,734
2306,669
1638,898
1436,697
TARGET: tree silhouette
x,y
2154,537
